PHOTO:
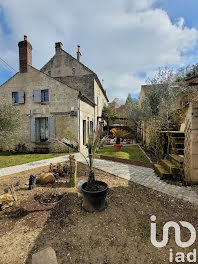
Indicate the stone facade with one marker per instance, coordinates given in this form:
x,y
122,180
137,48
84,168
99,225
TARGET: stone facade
x,y
58,106
54,99
191,144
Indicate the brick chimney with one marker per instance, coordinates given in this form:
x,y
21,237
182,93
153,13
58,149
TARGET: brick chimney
x,y
25,54
58,47
79,54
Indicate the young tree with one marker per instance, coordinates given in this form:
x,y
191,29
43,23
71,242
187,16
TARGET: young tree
x,y
9,123
107,114
158,104
132,110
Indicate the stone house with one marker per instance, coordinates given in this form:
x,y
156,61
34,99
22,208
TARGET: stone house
x,y
63,95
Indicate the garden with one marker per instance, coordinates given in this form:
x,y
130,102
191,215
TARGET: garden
x,y
132,152
52,215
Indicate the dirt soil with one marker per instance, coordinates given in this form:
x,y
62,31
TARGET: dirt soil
x,y
52,216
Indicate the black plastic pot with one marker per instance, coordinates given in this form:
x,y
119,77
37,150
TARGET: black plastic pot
x,y
94,200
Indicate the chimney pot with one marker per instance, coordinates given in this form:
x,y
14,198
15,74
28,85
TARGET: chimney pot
x,y
25,38
78,54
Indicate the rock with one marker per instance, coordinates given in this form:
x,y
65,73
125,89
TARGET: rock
x,y
68,211
46,178
46,256
6,190
6,200
17,183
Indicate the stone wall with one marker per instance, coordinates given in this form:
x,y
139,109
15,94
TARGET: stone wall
x,y
191,144
100,101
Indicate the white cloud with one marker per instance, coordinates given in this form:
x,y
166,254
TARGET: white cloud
x,y
119,39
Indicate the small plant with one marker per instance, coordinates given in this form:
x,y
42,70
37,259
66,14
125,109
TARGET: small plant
x,y
118,133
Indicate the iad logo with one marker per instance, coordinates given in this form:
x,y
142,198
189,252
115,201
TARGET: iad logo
x,y
180,257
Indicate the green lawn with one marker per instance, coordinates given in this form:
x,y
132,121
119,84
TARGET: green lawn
x,y
128,152
7,159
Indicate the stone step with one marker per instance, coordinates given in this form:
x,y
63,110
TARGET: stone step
x,y
178,160
162,172
177,134
177,140
179,145
170,166
178,151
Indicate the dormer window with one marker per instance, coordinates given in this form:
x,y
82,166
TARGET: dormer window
x,y
73,71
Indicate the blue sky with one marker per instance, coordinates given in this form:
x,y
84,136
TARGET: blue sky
x,y
123,41
181,8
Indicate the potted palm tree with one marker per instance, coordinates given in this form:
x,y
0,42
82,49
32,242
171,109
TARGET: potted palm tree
x,y
118,133
94,192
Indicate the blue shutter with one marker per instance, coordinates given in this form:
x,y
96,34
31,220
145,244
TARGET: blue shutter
x,y
51,128
21,97
32,129
36,96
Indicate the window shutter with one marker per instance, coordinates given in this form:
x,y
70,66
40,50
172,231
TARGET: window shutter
x,y
36,96
21,97
51,128
32,129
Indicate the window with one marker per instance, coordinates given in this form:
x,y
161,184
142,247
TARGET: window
x,y
15,98
49,73
45,95
18,97
73,71
42,129
41,96
91,126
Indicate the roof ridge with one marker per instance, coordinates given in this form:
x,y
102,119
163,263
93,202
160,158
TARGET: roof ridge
x,y
78,61
97,79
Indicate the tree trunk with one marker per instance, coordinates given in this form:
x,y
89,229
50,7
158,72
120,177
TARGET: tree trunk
x,y
117,140
107,126
91,180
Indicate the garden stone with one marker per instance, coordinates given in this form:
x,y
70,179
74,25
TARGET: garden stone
x,y
6,200
68,211
45,256
46,178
